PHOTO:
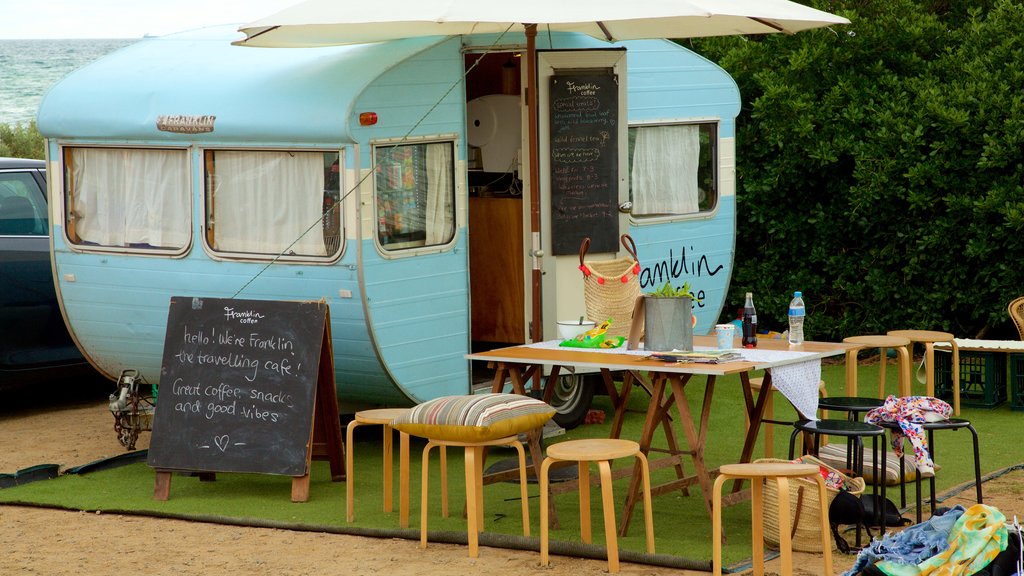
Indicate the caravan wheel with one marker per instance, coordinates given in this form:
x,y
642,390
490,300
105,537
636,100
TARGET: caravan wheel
x,y
571,399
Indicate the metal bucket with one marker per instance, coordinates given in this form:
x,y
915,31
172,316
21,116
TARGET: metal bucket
x,y
668,324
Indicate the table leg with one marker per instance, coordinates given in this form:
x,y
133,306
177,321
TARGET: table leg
x,y
696,436
655,413
620,404
755,411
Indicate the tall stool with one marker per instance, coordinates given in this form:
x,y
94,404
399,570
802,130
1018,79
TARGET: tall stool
x,y
883,343
769,414
380,417
474,465
931,427
857,431
600,451
929,338
757,473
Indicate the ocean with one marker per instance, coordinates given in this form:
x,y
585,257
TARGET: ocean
x,y
29,67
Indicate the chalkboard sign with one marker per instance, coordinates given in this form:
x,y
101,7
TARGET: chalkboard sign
x,y
584,148
238,386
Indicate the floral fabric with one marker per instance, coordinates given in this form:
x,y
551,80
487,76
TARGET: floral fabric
x,y
910,413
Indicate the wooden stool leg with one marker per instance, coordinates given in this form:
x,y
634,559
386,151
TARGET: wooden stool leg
x,y
472,517
608,506
424,491
584,479
444,481
757,525
785,540
929,368
388,451
851,372
350,476
524,496
544,510
883,359
403,479
716,525
648,510
478,471
904,365
826,539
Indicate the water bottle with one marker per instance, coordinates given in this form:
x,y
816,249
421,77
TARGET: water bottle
x,y
749,323
796,319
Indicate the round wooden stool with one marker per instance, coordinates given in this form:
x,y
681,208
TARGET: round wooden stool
x,y
380,417
883,343
768,417
474,486
929,338
781,472
601,451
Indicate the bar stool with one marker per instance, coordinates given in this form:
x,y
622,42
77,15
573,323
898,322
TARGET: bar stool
x,y
882,343
380,417
474,465
769,413
857,431
757,473
929,338
931,427
601,451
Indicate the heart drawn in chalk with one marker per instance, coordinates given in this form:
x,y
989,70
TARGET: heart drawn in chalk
x,y
221,442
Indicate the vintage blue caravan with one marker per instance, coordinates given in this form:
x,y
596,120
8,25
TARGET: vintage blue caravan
x,y
385,179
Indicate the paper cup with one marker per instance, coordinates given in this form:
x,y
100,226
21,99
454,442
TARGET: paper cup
x,y
724,335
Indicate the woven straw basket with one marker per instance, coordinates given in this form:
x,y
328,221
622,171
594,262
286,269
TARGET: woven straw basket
x,y
610,287
804,507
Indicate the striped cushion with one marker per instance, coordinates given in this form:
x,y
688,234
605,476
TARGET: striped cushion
x,y
474,418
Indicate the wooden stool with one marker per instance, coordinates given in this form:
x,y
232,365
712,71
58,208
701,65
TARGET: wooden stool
x,y
474,487
781,473
601,451
929,338
883,343
381,417
769,414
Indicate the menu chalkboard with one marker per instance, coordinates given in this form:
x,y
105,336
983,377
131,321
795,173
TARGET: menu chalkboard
x,y
584,160
238,385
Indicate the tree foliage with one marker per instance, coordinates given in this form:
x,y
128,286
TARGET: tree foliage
x,y
880,167
19,141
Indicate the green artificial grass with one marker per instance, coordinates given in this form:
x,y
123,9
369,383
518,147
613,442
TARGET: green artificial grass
x,y
682,524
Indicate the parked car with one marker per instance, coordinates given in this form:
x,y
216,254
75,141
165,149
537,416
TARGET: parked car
x,y
35,345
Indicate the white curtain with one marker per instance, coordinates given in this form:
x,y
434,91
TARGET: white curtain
x,y
268,202
126,196
439,223
664,178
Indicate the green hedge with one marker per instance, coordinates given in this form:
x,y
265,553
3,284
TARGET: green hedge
x,y
880,167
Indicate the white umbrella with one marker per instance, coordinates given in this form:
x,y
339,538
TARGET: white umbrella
x,y
333,22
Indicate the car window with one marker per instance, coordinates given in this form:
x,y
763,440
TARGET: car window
x,y
22,206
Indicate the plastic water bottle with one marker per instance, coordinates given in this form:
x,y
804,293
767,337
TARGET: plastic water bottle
x,y
796,319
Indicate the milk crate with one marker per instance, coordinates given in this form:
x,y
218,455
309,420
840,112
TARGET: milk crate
x,y
982,378
1017,381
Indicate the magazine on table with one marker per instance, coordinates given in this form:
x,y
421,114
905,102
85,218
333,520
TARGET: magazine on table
x,y
700,356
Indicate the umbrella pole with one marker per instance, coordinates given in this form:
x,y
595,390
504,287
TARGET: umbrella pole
x,y
537,329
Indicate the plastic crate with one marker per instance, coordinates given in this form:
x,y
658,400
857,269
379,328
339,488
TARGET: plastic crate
x,y
982,378
1017,381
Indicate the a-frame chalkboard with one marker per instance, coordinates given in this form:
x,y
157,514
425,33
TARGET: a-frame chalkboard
x,y
246,386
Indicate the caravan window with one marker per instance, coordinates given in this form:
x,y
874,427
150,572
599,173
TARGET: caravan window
x,y
272,203
127,198
415,194
672,169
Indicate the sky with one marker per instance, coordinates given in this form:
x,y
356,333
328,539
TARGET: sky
x,y
24,19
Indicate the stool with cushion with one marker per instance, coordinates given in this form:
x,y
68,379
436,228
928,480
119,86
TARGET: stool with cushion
x,y
601,451
768,416
757,473
474,422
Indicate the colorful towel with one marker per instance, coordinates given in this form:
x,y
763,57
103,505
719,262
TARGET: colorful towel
x,y
978,536
910,412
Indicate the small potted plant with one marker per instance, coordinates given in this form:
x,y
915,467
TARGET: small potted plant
x,y
668,318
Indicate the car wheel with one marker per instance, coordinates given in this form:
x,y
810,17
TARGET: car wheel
x,y
571,399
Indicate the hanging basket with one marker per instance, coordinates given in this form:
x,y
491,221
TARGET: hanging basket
x,y
610,287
